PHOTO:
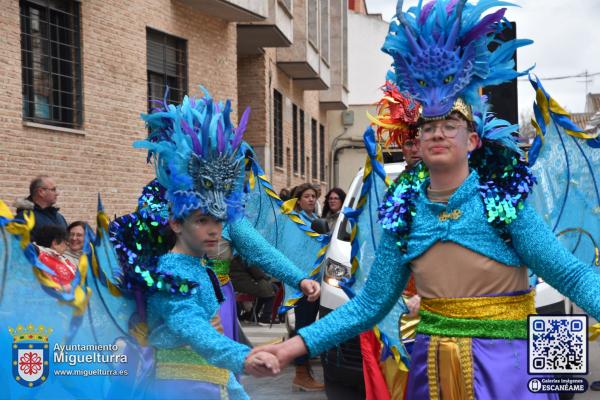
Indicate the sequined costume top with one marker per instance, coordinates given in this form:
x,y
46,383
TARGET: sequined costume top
x,y
176,321
257,251
462,221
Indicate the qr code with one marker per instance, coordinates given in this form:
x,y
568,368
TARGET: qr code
x,y
557,344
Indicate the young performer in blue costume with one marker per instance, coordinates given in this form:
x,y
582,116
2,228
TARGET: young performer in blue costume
x,y
199,160
460,223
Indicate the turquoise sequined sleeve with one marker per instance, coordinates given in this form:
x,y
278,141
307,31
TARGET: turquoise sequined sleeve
x,y
188,319
541,251
382,290
257,251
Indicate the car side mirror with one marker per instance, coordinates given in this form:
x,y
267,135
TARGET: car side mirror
x,y
320,225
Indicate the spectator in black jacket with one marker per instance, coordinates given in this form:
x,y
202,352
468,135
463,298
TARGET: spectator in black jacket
x,y
42,197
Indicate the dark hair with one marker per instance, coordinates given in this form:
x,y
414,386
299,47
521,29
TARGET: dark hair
x,y
284,194
72,225
339,192
36,183
50,233
299,190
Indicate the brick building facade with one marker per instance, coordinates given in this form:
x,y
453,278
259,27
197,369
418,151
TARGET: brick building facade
x,y
92,152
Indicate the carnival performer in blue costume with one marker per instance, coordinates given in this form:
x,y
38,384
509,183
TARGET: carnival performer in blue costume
x,y
460,223
199,160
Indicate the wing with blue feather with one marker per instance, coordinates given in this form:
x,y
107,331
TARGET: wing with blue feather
x,y
111,308
37,307
567,166
283,228
366,233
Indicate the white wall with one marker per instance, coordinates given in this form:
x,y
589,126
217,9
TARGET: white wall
x,y
367,64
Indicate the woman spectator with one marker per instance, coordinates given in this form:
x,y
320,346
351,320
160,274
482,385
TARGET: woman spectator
x,y
334,199
305,311
307,195
76,238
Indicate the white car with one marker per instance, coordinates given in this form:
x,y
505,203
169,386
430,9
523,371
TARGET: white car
x,y
343,365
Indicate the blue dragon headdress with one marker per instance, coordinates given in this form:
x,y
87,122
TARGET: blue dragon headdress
x,y
441,54
198,155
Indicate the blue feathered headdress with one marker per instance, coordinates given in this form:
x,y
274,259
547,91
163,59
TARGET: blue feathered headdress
x,y
198,156
441,52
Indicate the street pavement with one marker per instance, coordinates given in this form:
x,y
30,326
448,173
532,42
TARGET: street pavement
x,y
280,386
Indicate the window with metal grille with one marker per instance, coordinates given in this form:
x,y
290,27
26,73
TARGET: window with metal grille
x,y
314,156
51,62
277,129
295,137
322,153
166,63
302,145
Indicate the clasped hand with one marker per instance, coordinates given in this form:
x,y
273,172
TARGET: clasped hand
x,y
311,289
268,360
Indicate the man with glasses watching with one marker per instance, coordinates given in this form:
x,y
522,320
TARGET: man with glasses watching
x,y
42,198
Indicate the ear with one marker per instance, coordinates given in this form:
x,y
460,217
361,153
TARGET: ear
x,y
473,141
176,226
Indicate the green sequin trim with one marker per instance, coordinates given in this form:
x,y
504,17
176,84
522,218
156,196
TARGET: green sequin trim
x,y
435,324
220,267
180,355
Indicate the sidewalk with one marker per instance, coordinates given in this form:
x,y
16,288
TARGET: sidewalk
x,y
280,386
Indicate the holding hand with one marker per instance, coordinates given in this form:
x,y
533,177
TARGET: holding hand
x,y
413,304
216,323
260,364
285,352
311,289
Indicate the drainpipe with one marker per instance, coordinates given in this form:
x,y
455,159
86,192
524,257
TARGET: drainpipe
x,y
332,156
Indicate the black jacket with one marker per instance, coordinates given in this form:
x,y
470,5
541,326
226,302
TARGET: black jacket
x,y
43,216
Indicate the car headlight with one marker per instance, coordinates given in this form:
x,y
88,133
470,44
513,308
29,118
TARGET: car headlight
x,y
335,272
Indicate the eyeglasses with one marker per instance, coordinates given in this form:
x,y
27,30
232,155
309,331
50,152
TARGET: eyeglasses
x,y
449,129
50,189
333,198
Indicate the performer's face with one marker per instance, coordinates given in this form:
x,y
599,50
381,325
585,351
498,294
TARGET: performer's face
x,y
411,152
447,143
198,233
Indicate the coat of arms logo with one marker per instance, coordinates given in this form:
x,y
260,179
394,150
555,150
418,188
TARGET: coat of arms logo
x,y
30,354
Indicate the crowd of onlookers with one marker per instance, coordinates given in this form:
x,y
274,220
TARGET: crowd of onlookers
x,y
61,244
51,234
251,280
54,236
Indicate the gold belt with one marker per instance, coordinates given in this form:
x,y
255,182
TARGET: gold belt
x,y
450,355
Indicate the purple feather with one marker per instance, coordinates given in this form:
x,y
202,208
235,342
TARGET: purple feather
x,y
220,137
240,129
483,27
425,11
196,146
450,6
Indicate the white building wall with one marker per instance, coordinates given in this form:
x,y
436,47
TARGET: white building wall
x,y
367,64
367,67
